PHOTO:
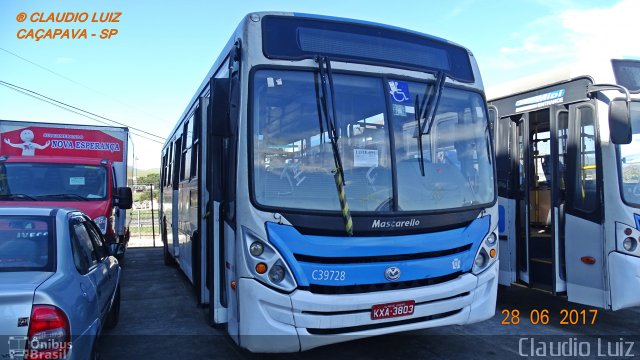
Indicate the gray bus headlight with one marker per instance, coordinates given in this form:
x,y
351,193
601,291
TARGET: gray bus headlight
x,y
265,263
487,253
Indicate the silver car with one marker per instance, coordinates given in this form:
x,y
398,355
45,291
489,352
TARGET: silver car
x,y
59,284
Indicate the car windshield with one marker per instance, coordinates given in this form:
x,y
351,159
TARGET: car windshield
x,y
293,162
52,182
25,244
630,160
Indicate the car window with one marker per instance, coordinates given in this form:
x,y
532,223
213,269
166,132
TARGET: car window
x,y
96,239
84,254
26,244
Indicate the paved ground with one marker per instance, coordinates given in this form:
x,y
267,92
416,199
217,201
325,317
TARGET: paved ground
x,y
159,320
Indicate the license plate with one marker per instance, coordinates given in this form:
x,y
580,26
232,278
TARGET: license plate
x,y
391,310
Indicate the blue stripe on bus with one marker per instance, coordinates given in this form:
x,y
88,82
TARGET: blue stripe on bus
x,y
373,273
637,218
289,242
501,219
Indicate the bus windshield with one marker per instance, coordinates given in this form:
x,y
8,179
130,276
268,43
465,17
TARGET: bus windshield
x,y
293,162
52,182
630,160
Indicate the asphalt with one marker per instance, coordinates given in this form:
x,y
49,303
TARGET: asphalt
x,y
159,319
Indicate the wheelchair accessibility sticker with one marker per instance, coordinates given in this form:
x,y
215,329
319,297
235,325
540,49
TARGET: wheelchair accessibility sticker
x,y
399,91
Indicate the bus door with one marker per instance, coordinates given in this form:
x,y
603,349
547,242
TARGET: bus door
x,y
540,154
521,195
214,183
222,142
175,199
584,238
201,262
505,129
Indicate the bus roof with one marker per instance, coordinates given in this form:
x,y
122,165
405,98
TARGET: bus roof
x,y
599,70
364,22
239,31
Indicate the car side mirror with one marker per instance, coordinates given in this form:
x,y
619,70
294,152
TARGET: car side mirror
x,y
116,249
124,198
620,122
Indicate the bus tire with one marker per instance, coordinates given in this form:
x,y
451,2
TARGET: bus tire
x,y
168,259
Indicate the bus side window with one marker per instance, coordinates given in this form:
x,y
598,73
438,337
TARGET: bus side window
x,y
187,137
177,152
195,143
585,196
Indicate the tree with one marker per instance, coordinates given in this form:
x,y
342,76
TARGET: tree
x,y
144,194
153,178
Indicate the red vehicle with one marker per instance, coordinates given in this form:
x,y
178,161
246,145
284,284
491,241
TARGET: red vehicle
x,y
71,166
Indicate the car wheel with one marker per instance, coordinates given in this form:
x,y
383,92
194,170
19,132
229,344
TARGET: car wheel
x,y
114,314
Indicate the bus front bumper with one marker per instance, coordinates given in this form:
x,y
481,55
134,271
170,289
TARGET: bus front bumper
x,y
275,322
624,274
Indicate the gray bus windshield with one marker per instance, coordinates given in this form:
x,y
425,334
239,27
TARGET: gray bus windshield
x,y
52,182
293,161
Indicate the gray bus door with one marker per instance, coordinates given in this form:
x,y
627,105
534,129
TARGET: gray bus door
x,y
584,244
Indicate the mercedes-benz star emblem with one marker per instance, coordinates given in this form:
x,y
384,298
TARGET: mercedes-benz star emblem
x,y
392,273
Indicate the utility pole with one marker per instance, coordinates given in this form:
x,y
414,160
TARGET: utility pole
x,y
153,221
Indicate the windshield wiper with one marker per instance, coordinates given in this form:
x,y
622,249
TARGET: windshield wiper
x,y
427,112
326,81
430,111
16,197
418,117
65,196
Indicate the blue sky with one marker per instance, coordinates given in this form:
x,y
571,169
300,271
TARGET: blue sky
x,y
146,74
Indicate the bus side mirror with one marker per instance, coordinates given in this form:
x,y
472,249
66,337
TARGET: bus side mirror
x,y
620,122
124,198
219,107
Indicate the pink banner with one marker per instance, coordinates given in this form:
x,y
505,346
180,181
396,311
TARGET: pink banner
x,y
44,141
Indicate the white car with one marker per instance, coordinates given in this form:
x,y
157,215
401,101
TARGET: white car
x,y
59,284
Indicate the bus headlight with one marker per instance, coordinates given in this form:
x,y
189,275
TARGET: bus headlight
x,y
277,273
630,244
256,248
481,259
491,239
487,253
266,264
627,239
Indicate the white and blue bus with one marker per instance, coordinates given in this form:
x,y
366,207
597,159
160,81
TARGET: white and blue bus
x,y
568,170
333,179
